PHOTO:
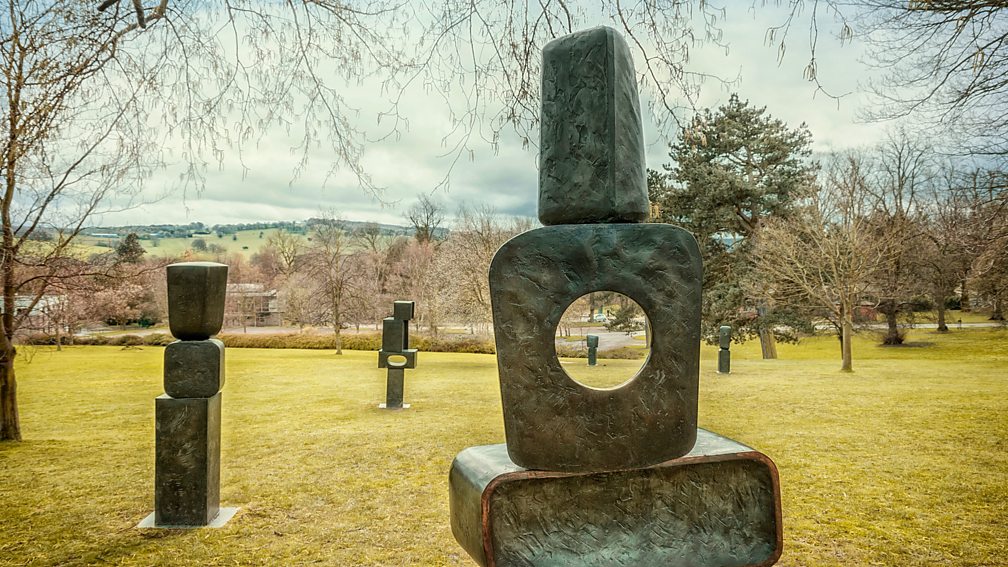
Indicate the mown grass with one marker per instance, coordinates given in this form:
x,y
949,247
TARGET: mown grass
x,y
901,463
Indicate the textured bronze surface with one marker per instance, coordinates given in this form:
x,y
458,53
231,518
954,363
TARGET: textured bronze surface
x,y
395,354
552,422
194,369
187,460
187,418
591,153
724,353
717,506
196,293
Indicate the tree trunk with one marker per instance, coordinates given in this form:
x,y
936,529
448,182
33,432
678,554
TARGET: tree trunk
x,y
846,364
59,343
940,305
10,424
890,308
964,298
997,314
336,327
768,344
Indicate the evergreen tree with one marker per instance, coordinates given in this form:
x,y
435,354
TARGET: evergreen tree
x,y
734,168
625,320
130,250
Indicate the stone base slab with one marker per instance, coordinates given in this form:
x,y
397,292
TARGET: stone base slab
x,y
719,506
223,517
384,406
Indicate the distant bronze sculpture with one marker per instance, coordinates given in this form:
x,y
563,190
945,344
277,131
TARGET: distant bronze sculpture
x,y
724,353
187,419
395,353
614,476
592,341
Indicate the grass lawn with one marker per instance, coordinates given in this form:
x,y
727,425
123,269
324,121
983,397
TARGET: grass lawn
x,y
901,463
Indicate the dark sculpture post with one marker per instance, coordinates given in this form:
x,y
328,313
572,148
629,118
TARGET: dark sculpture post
x,y
592,349
614,476
395,353
724,354
187,418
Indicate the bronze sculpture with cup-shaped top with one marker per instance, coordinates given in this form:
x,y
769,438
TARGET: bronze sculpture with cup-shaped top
x,y
614,476
188,416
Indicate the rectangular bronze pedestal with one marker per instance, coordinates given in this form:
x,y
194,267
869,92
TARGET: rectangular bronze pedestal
x,y
187,460
717,506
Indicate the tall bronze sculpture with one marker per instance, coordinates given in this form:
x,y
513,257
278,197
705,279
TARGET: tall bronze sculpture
x,y
615,476
592,342
395,353
187,418
724,353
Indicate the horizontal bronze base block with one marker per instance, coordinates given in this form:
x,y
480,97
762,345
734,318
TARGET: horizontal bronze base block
x,y
719,506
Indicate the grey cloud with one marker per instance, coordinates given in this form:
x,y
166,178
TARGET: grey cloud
x,y
415,163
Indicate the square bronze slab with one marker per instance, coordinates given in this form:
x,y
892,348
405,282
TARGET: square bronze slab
x,y
718,506
552,422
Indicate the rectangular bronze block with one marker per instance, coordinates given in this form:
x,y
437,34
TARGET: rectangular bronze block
x,y
402,310
187,460
194,369
394,388
394,338
409,354
591,150
724,361
718,506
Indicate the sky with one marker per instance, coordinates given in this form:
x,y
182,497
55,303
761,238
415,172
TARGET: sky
x,y
504,177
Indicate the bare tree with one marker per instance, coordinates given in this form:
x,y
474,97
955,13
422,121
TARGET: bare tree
x,y
905,171
426,216
369,236
334,269
826,256
477,235
989,194
946,63
300,302
62,157
952,220
425,273
289,249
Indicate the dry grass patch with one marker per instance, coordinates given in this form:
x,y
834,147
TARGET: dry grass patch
x,y
901,463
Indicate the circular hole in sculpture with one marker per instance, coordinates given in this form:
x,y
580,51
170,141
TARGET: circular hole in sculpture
x,y
396,360
602,340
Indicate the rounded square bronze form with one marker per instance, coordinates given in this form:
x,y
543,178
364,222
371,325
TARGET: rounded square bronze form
x,y
550,421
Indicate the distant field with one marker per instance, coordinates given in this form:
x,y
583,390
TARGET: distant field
x,y
902,463
245,242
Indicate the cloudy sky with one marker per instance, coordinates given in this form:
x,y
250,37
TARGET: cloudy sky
x,y
505,178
